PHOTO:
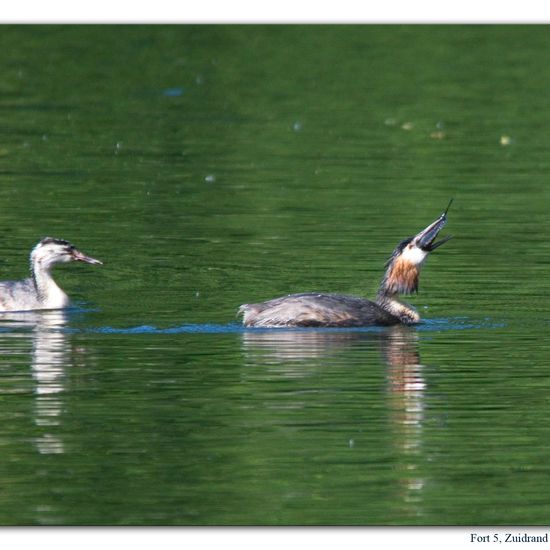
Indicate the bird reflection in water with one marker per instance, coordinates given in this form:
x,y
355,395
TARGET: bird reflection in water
x,y
406,393
297,354
50,355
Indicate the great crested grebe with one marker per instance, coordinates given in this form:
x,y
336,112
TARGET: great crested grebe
x,y
334,310
40,291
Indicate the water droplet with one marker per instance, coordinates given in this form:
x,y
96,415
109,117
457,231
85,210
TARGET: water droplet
x,y
297,126
506,140
211,178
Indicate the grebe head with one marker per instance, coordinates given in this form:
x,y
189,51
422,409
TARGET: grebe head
x,y
50,251
403,266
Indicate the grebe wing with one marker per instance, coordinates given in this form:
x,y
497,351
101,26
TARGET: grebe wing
x,y
17,295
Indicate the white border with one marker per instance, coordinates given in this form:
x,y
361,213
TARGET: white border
x,y
282,11
226,538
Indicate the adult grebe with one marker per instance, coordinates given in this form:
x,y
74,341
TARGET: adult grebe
x,y
40,291
334,310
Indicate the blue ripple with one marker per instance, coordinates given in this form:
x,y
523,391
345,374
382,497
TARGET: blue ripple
x,y
429,325
183,329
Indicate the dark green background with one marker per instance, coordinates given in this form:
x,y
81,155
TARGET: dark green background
x,y
209,166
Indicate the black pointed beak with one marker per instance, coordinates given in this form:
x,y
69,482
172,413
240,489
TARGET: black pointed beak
x,y
426,238
433,246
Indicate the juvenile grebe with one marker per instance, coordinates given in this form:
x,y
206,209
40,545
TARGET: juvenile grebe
x,y
40,291
334,310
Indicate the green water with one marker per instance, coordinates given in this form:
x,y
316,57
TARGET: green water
x,y
209,166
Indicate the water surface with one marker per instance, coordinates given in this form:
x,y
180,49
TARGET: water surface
x,y
210,166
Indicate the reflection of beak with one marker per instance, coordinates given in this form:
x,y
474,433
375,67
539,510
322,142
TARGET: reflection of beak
x,y
79,257
425,239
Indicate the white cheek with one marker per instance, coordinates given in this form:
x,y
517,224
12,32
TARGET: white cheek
x,y
414,255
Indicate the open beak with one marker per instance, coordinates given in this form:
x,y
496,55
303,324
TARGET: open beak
x,y
426,238
80,257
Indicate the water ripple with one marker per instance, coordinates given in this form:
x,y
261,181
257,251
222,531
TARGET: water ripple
x,y
431,325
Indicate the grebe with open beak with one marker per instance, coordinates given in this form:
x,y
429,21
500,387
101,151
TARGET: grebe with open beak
x,y
335,310
40,291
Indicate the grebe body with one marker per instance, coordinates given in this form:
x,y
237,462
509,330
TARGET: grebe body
x,y
313,309
40,291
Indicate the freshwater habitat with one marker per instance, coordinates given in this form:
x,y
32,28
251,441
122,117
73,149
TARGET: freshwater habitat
x,y
216,165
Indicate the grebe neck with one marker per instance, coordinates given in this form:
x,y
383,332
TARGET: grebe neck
x,y
391,303
47,291
401,277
